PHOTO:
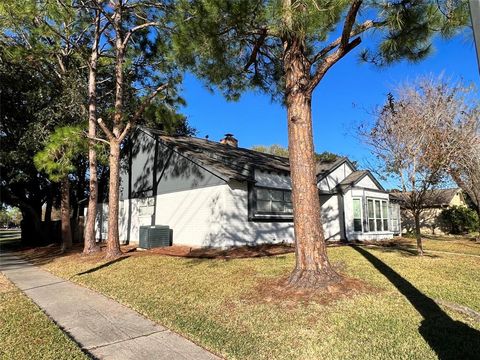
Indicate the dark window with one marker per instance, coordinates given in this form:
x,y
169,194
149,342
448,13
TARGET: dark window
x,y
273,201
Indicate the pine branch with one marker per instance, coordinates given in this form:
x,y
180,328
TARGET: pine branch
x,y
256,48
330,61
369,24
105,129
344,46
136,28
140,111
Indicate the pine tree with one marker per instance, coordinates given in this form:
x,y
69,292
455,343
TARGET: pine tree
x,y
57,160
285,48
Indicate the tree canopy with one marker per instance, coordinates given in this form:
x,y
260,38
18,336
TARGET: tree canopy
x,y
238,45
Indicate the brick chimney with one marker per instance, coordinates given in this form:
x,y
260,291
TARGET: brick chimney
x,y
229,140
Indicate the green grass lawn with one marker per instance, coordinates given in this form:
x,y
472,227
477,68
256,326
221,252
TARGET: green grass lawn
x,y
456,244
224,306
27,333
9,237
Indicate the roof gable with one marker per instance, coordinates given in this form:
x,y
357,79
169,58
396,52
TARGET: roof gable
x,y
325,168
356,177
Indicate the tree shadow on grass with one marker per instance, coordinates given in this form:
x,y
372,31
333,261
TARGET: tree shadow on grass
x,y
449,339
102,266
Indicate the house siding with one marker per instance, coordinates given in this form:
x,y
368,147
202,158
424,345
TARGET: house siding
x,y
368,183
172,172
273,180
214,216
332,217
335,177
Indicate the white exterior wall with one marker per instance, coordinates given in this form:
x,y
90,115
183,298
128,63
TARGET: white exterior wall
x,y
336,176
218,215
331,217
272,180
367,182
237,230
348,207
211,216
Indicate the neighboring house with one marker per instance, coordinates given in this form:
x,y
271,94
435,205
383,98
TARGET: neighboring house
x,y
217,194
436,201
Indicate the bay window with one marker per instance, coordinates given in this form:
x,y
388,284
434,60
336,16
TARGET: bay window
x,y
377,215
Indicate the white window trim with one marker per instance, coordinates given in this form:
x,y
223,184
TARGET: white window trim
x,y
375,218
361,215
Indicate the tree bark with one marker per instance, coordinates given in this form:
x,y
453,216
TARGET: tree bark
x,y
31,225
113,242
312,269
65,215
418,234
90,245
48,208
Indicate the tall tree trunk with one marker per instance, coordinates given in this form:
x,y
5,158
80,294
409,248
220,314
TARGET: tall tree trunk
x,y
90,245
113,242
48,208
65,215
418,234
31,226
312,269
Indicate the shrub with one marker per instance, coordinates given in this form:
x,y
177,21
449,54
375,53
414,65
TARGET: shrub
x,y
459,220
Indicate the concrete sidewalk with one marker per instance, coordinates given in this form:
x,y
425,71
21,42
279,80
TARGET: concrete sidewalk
x,y
101,326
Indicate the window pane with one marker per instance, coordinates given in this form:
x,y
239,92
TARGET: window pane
x,y
288,207
385,225
370,210
379,225
393,213
371,224
263,205
357,210
287,196
357,225
377,209
277,206
277,195
384,210
263,194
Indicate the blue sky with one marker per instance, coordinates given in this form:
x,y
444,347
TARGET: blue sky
x,y
341,100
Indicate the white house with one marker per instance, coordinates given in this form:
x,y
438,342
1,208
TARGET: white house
x,y
218,194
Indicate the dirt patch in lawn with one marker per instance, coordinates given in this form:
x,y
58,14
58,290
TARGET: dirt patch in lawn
x,y
277,291
237,252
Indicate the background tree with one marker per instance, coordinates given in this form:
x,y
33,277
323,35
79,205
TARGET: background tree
x,y
43,41
459,131
410,138
9,216
459,220
285,48
57,160
29,96
279,150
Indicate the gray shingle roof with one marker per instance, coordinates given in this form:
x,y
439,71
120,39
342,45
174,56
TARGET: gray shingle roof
x,y
230,162
434,198
352,179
